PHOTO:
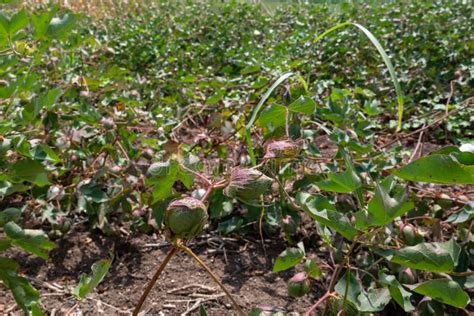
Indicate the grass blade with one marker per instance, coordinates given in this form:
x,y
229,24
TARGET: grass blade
x,y
386,60
255,112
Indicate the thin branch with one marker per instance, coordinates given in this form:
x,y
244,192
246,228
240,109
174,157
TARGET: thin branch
x,y
212,275
153,280
420,138
319,302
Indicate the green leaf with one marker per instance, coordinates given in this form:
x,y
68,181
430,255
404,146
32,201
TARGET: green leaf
x,y
256,312
443,290
47,100
349,287
452,248
303,104
202,310
160,169
9,214
41,21
382,208
464,215
167,174
442,169
60,28
322,211
386,60
35,310
273,116
4,24
186,177
17,22
356,181
93,192
433,257
250,69
288,259
4,244
24,294
32,240
8,264
44,152
340,182
469,282
213,99
374,300
88,283
230,225
397,292
7,188
312,269
31,171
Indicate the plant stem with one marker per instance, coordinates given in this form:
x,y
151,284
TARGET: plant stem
x,y
153,280
207,193
197,174
260,227
466,273
213,276
332,283
321,300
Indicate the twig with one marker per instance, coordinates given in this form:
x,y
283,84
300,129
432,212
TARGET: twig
x,y
197,174
72,309
336,273
420,138
124,152
108,305
156,245
319,302
212,187
153,281
206,288
260,228
465,273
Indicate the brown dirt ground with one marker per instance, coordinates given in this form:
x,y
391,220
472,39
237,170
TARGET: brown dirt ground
x,y
242,266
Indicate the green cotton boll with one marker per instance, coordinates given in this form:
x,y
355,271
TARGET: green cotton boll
x,y
407,276
185,218
247,185
408,234
299,285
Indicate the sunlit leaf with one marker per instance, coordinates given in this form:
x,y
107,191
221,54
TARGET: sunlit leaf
x,y
288,259
433,257
443,290
88,283
442,169
31,240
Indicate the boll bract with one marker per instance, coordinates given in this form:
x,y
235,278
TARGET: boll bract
x,y
247,185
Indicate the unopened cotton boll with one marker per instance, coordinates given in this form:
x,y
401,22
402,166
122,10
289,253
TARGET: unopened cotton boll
x,y
185,218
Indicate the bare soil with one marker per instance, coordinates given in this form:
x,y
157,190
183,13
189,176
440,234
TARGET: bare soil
x,y
239,261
